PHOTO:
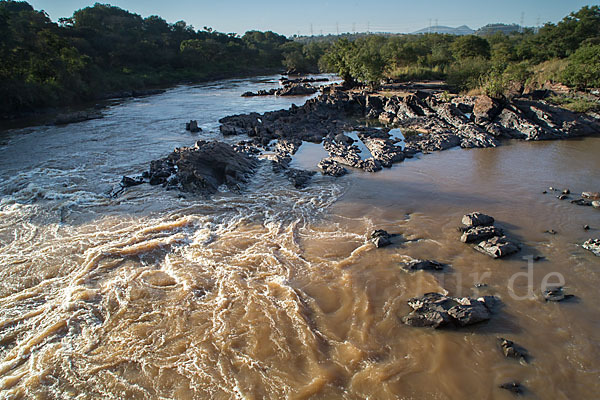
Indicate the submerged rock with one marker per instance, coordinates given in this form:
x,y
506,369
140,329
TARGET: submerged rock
x,y
592,245
556,294
514,387
128,182
512,350
380,238
477,219
497,247
423,265
437,310
203,168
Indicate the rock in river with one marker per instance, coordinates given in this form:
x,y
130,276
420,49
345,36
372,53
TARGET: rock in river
x,y
423,265
381,238
512,350
556,294
203,168
479,233
497,247
437,310
477,219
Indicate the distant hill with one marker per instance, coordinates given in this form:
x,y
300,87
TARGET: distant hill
x,y
490,29
461,30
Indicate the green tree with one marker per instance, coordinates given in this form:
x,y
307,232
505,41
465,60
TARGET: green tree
x,y
583,70
471,46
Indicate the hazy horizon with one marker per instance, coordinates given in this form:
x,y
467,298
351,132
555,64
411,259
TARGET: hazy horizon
x,y
331,17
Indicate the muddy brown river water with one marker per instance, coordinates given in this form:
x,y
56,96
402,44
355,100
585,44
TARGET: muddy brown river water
x,y
275,292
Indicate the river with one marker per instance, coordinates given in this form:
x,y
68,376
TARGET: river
x,y
275,292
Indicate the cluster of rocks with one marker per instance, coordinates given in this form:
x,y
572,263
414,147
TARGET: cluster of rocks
x,y
203,168
479,228
284,150
290,88
441,124
289,82
586,199
437,310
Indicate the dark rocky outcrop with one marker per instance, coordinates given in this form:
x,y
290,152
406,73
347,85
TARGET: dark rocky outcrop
x,y
423,265
202,169
291,89
437,310
380,238
192,126
592,245
332,168
439,124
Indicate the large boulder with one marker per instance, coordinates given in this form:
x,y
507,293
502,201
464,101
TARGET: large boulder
x,y
202,169
486,109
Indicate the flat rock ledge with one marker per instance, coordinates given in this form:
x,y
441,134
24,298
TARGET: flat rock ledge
x,y
436,310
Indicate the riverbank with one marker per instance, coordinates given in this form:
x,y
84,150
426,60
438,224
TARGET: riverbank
x,y
92,106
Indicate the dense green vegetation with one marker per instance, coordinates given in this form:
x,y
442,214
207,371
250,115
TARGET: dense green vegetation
x,y
494,63
103,49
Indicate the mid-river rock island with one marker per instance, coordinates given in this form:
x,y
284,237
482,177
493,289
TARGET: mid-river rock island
x,y
427,120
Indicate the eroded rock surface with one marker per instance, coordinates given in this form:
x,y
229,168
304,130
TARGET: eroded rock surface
x,y
437,310
203,168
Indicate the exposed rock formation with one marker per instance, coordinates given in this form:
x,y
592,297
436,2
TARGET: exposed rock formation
x,y
437,310
203,168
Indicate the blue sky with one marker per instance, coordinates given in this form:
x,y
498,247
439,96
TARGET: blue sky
x,y
328,16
